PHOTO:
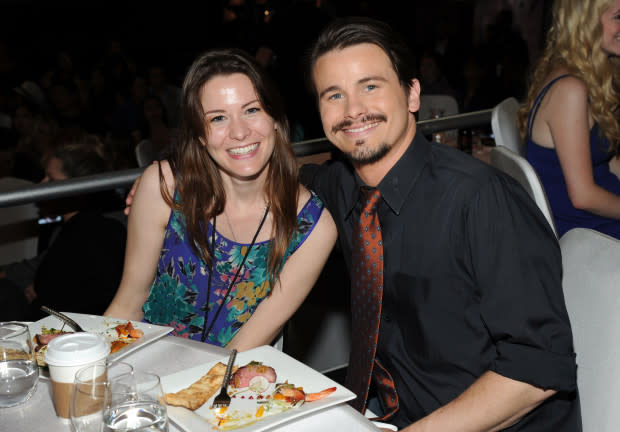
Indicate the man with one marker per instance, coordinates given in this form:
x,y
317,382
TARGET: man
x,y
473,327
474,331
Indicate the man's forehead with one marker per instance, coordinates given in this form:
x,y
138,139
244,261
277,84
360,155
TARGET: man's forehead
x,y
353,63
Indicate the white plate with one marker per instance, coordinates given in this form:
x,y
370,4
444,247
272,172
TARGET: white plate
x,y
104,325
286,367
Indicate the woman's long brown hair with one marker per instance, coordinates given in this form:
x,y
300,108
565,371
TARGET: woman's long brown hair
x,y
198,180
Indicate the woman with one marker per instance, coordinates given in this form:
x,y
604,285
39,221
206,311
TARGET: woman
x,y
235,243
570,121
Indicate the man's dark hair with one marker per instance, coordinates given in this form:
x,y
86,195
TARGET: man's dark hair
x,y
349,31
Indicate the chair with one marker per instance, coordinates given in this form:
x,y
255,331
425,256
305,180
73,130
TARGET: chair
x,y
145,153
505,126
520,169
438,105
319,333
591,285
18,226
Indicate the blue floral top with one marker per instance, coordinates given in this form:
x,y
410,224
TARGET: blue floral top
x,y
178,295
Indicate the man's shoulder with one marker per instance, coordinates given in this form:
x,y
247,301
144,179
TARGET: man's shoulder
x,y
461,168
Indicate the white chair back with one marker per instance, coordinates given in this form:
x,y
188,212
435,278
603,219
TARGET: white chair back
x,y
441,105
145,153
592,292
505,126
520,169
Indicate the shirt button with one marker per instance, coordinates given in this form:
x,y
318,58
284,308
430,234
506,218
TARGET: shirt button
x,y
387,318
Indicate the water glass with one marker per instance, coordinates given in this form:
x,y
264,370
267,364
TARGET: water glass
x,y
88,395
135,402
19,372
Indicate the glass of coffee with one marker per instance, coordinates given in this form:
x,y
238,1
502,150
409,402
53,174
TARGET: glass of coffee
x,y
19,372
89,391
66,355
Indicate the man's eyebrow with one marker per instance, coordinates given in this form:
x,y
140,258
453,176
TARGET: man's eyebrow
x,y
327,90
361,81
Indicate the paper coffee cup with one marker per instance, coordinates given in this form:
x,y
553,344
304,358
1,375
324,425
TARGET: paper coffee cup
x,y
66,355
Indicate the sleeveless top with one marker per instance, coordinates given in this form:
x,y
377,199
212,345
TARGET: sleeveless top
x,y
178,294
547,165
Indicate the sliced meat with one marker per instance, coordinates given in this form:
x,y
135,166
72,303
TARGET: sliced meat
x,y
244,374
44,339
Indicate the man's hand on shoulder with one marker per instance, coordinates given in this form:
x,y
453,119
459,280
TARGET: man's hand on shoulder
x,y
132,192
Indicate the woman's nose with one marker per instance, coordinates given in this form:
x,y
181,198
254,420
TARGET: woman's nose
x,y
239,129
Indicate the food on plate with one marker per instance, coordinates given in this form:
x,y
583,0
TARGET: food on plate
x,y
291,394
199,392
250,373
284,397
13,354
126,334
254,395
120,336
42,339
127,330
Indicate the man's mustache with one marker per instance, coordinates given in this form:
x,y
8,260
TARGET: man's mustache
x,y
368,118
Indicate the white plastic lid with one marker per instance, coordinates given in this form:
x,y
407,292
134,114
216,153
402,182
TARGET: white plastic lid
x,y
76,348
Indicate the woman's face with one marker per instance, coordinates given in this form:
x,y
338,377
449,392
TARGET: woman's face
x,y
240,133
610,20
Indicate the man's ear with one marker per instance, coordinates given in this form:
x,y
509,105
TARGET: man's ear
x,y
414,96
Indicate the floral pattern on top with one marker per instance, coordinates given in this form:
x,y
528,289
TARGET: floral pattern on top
x,y
178,294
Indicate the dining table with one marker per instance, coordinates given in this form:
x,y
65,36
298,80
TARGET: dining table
x,y
168,355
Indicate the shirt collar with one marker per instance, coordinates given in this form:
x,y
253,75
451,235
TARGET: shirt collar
x,y
398,182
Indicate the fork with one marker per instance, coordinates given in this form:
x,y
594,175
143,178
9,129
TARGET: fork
x,y
222,399
64,318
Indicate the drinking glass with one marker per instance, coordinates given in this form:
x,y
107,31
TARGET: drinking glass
x,y
88,394
135,402
19,372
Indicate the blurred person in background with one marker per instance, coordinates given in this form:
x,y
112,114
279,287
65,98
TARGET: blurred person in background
x,y
81,268
570,120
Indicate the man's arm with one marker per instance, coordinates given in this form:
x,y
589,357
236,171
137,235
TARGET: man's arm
x,y
517,266
491,403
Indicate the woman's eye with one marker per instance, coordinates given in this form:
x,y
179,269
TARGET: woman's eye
x,y
253,110
335,96
216,119
371,87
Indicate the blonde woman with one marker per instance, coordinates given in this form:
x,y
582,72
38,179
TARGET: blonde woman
x,y
570,120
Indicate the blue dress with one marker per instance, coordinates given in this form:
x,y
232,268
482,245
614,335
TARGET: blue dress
x,y
178,294
547,165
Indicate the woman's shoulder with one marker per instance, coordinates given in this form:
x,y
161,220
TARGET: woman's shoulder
x,y
565,92
152,177
308,200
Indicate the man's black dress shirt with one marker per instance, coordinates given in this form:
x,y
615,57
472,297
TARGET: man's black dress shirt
x,y
472,282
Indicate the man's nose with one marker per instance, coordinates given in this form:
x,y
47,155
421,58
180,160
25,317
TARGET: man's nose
x,y
355,107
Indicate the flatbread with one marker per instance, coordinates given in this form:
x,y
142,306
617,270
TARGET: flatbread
x,y
197,394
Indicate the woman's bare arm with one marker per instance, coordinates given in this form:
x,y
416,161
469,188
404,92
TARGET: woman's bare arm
x,y
145,235
296,280
565,111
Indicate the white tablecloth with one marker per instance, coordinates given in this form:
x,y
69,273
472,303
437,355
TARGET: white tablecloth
x,y
163,357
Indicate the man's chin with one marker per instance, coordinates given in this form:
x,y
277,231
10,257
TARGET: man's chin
x,y
368,157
